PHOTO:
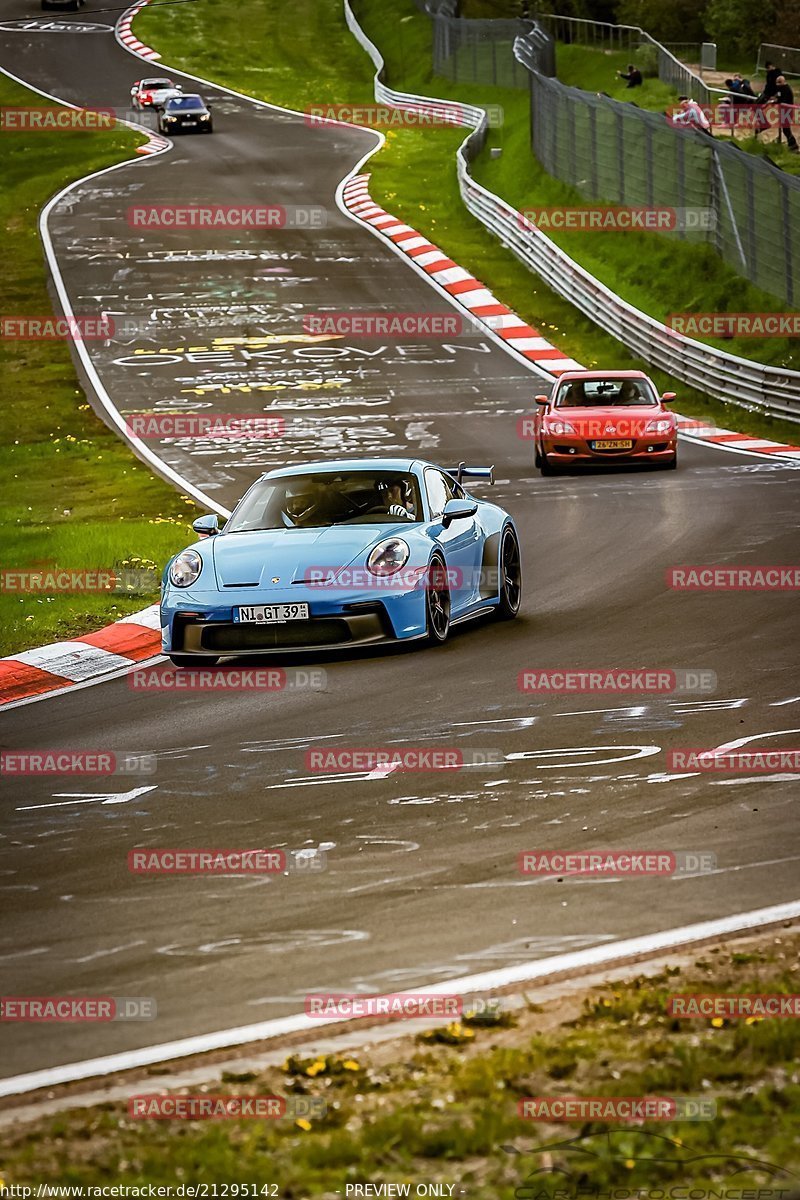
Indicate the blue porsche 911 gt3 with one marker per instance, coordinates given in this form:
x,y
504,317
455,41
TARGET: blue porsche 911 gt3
x,y
335,554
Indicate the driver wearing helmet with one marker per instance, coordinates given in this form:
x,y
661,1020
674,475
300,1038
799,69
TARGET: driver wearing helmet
x,y
396,496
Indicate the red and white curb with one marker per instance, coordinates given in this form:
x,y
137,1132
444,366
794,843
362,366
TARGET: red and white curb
x,y
486,310
126,36
482,307
64,664
154,145
725,439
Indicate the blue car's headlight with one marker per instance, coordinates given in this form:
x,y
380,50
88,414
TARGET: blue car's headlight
x,y
388,556
185,569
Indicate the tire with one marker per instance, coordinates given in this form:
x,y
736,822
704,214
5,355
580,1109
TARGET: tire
x,y
672,465
545,468
191,660
437,604
210,128
510,576
537,458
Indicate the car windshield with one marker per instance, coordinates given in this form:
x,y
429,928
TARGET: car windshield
x,y
184,103
321,499
605,393
157,84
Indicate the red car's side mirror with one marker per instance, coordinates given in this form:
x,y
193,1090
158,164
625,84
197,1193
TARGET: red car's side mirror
x,y
668,396
541,399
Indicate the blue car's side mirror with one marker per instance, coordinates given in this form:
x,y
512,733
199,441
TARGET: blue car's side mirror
x,y
458,510
207,525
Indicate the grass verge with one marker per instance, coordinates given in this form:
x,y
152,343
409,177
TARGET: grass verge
x,y
414,176
444,1109
75,496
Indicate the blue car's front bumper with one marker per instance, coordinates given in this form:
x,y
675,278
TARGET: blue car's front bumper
x,y
201,622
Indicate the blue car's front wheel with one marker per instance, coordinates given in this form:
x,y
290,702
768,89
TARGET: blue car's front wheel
x,y
510,576
437,603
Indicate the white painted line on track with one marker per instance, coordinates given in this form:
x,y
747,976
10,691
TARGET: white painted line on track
x,y
486,981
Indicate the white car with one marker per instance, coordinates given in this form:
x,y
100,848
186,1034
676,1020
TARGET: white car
x,y
153,93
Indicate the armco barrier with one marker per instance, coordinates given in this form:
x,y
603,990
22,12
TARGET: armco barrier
x,y
727,377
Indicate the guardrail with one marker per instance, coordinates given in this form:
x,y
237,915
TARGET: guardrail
x,y
740,381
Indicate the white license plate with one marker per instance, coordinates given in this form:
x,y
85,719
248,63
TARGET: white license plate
x,y
190,122
271,614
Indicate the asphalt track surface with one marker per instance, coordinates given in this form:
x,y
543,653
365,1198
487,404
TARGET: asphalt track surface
x,y
421,883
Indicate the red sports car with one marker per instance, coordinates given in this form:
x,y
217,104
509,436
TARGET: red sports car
x,y
604,417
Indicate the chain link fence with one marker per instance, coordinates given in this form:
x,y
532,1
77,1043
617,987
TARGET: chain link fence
x,y
482,51
617,153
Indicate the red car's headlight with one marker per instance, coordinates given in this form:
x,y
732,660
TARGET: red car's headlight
x,y
664,425
559,428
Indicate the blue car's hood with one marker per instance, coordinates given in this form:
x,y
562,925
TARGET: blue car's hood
x,y
259,557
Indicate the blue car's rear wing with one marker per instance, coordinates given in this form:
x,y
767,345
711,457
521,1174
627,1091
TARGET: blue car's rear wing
x,y
462,472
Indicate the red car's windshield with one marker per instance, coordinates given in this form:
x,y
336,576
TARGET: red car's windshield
x,y
605,393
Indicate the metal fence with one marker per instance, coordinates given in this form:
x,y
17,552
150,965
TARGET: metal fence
x,y
482,51
615,152
603,36
740,381
785,57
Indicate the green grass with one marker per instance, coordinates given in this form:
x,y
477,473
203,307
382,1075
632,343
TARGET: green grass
x,y
414,176
445,1109
596,71
74,495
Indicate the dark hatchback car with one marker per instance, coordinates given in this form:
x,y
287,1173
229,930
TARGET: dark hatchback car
x,y
182,114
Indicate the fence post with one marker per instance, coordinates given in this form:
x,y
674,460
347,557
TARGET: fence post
x,y
726,200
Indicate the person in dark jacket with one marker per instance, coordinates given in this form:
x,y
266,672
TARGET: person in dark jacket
x,y
787,114
633,76
770,83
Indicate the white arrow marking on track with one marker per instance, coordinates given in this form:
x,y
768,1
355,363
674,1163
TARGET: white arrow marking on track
x,y
88,797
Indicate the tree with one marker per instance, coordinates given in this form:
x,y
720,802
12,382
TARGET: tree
x,y
678,21
739,26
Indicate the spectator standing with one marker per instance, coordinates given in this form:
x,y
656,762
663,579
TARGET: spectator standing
x,y
786,113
